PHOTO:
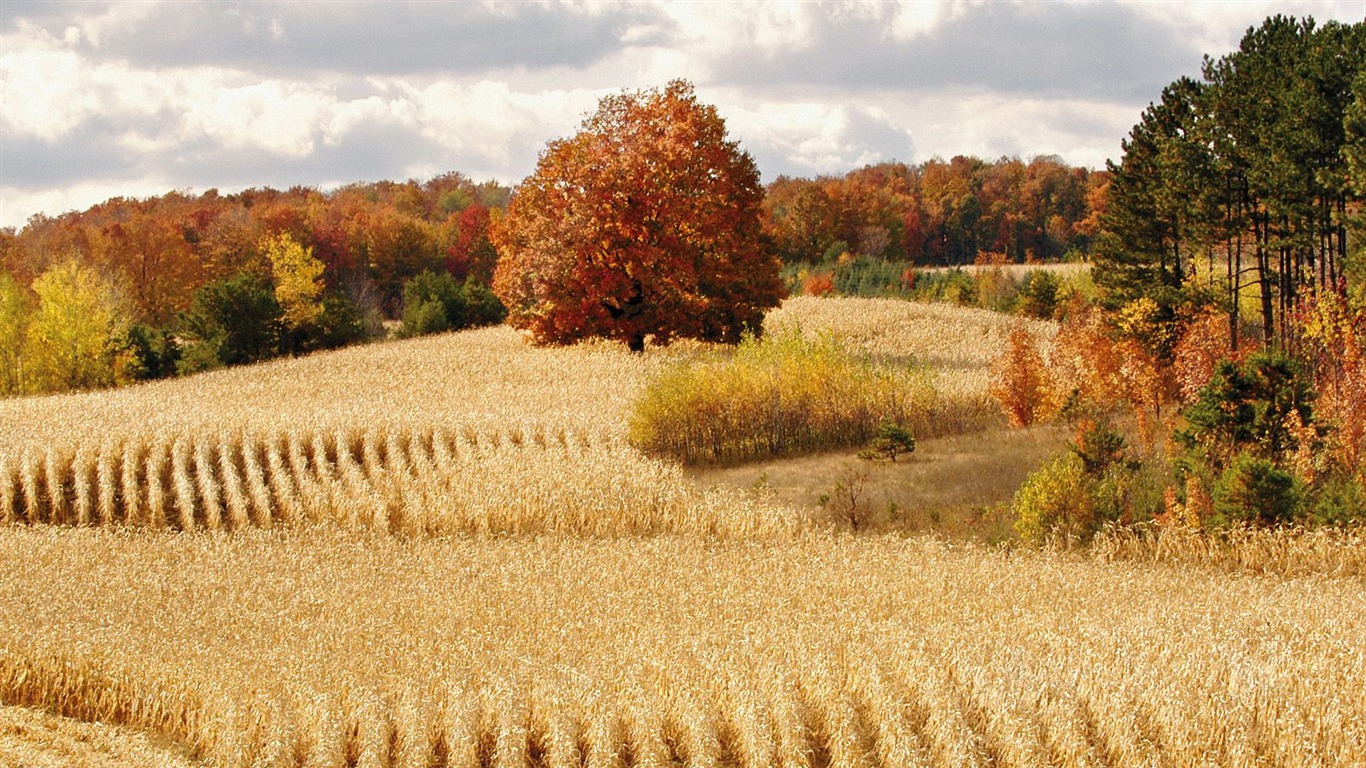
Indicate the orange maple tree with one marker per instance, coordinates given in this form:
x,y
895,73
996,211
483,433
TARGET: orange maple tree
x,y
646,223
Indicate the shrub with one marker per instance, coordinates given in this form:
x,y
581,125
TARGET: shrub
x,y
340,323
955,286
1038,296
1058,500
436,302
1338,501
777,396
155,352
1247,407
891,441
1254,490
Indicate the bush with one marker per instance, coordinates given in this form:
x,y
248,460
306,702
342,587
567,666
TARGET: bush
x,y
436,302
340,324
891,441
1038,296
1338,501
155,352
954,286
1093,484
773,397
1247,407
1254,490
1056,501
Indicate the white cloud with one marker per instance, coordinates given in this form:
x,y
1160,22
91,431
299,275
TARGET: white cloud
x,y
138,98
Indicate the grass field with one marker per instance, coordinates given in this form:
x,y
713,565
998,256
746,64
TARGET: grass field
x,y
444,552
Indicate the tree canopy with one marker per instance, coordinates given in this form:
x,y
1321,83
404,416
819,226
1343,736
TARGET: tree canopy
x,y
646,223
1238,188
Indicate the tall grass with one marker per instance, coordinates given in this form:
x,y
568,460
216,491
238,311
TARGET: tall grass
x,y
777,396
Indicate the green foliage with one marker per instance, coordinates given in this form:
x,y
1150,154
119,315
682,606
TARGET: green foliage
x,y
1095,483
1254,490
891,440
434,302
1247,407
772,397
1099,447
339,324
232,321
155,352
954,286
1337,501
1039,294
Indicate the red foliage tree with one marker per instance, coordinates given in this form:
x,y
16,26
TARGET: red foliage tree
x,y
644,223
472,255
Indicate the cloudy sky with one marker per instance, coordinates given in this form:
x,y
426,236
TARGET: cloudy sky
x,y
99,99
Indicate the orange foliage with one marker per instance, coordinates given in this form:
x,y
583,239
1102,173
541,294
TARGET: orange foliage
x,y
1110,372
644,223
1020,381
819,284
1333,336
1204,343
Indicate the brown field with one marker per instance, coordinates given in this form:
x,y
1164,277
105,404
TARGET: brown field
x,y
443,552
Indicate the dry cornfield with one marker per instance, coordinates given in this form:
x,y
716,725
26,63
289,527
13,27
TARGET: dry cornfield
x,y
222,575
471,432
327,648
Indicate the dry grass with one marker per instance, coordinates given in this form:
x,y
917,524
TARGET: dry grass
x,y
958,486
32,739
736,631
1283,552
322,648
958,344
462,433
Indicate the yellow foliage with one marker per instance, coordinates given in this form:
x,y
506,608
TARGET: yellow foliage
x,y
76,334
298,278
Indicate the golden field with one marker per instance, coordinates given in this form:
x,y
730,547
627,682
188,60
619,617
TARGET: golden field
x,y
444,552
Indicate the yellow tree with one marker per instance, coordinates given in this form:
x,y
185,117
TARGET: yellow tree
x,y
14,317
298,278
77,337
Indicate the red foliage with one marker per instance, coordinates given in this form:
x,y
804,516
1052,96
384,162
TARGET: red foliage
x,y
472,255
645,223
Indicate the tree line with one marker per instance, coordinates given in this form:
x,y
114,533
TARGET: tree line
x,y
191,282
1231,322
939,213
1237,190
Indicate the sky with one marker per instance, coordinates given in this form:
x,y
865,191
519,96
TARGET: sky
x,y
134,99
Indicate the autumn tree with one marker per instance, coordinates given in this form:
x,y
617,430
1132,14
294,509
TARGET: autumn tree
x,y
78,332
298,278
646,223
1020,381
14,318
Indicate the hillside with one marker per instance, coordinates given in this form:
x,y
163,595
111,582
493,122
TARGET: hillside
x,y
445,552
